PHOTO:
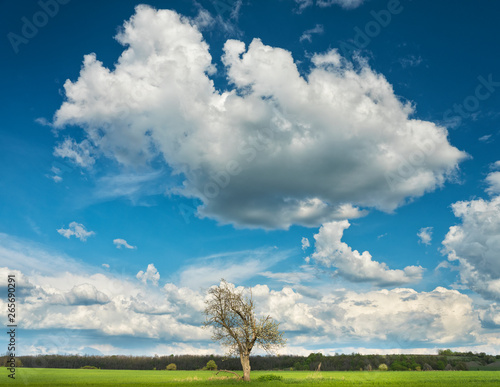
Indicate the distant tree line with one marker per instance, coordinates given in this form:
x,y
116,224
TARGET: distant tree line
x,y
444,360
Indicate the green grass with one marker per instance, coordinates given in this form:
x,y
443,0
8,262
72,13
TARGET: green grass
x,y
77,377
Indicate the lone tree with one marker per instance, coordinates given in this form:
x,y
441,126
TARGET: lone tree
x,y
235,326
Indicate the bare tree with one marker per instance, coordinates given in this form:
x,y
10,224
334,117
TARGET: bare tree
x,y
235,326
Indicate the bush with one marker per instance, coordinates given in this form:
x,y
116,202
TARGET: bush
x,y
397,366
383,367
427,367
270,377
171,367
7,363
211,366
461,366
87,367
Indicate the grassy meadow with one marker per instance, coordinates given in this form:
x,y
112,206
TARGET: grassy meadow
x,y
78,377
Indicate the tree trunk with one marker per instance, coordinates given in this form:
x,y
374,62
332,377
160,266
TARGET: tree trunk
x,y
245,363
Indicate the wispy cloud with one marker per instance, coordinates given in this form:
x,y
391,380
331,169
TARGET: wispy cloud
x,y
307,35
410,61
305,244
77,230
238,267
346,4
131,185
119,243
486,138
80,153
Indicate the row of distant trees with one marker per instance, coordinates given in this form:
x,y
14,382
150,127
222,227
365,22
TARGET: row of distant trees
x,y
341,362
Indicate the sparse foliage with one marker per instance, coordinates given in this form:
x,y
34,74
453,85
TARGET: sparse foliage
x,y
383,367
235,326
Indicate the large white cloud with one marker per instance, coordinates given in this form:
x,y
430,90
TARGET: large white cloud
x,y
330,251
396,318
404,316
475,245
275,149
65,302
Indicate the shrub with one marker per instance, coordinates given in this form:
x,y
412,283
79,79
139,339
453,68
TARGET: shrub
x,y
87,367
383,367
6,362
270,377
211,366
461,366
171,367
427,367
448,367
397,366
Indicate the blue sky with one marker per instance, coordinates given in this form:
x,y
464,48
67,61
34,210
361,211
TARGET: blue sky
x,y
339,157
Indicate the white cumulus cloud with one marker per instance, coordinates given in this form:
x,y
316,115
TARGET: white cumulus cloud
x,y
330,251
493,181
77,230
335,320
276,148
425,235
474,245
151,274
85,294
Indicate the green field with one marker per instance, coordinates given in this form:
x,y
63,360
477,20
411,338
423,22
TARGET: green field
x,y
72,377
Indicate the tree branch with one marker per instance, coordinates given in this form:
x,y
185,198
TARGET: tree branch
x,y
231,372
